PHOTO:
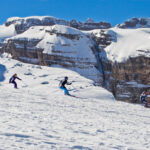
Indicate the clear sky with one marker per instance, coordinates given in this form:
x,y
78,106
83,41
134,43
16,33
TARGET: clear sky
x,y
113,11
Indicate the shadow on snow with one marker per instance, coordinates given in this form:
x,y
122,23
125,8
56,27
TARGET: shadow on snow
x,y
2,72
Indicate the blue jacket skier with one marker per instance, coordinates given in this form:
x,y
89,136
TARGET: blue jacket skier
x,y
62,85
12,80
143,98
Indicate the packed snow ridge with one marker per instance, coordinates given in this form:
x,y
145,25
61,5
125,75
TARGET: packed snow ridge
x,y
129,43
31,17
39,116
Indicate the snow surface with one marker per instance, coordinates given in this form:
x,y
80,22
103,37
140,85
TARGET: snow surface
x,y
30,17
129,43
38,115
6,32
125,43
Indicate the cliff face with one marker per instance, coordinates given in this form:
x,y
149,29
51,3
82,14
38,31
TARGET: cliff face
x,y
56,46
131,78
125,55
117,58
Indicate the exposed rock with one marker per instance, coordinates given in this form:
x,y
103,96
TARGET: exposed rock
x,y
22,24
127,80
135,23
94,25
74,24
103,38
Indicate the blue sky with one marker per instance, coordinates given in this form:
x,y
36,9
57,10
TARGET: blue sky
x,y
113,11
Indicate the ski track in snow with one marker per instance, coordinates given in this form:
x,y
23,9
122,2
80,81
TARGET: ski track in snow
x,y
38,116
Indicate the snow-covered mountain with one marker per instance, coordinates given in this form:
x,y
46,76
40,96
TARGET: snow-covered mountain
x,y
127,43
56,45
116,58
125,58
39,116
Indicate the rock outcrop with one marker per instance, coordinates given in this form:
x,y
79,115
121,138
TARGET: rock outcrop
x,y
130,78
135,23
22,24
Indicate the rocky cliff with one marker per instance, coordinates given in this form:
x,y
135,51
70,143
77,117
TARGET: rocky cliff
x,y
56,45
125,56
131,78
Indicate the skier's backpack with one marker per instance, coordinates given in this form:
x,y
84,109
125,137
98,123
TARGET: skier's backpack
x,y
10,80
60,83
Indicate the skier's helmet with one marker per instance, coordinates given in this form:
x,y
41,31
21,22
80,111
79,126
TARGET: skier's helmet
x,y
66,78
15,75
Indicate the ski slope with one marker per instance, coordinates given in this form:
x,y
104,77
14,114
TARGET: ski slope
x,y
38,116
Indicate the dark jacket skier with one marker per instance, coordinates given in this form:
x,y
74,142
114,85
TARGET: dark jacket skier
x,y
143,98
12,80
62,85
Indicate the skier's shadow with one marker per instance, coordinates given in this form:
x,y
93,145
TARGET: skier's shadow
x,y
2,72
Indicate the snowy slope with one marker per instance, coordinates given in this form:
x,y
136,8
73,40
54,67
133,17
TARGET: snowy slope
x,y
6,32
126,43
38,116
129,43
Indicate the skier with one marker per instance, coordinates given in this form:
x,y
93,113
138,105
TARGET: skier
x,y
143,98
62,85
12,80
